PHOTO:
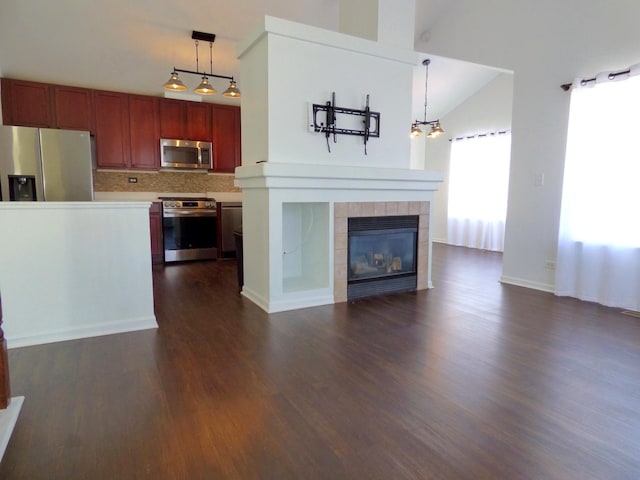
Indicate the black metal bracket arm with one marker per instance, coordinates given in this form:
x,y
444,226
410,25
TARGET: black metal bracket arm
x,y
324,120
202,74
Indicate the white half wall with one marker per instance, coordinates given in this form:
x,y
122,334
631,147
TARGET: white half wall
x,y
74,269
545,43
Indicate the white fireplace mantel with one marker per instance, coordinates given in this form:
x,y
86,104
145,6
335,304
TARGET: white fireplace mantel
x,y
332,177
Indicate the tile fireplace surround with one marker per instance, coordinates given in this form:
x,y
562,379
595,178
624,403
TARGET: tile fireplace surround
x,y
342,211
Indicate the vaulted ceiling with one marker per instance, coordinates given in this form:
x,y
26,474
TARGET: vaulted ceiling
x,y
132,45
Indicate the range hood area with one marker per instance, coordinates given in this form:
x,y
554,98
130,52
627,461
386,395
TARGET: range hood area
x,y
296,191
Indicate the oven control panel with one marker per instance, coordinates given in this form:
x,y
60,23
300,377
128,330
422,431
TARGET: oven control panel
x,y
190,203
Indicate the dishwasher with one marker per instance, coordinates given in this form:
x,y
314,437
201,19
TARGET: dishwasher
x,y
230,214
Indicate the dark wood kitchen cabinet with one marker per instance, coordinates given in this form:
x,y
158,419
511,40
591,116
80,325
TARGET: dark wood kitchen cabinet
x,y
72,108
198,121
171,119
144,132
155,224
226,138
26,104
111,111
126,127
43,105
184,120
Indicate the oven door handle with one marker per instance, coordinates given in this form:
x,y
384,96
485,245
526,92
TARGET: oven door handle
x,y
188,213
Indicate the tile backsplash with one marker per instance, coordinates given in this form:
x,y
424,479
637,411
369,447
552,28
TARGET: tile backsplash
x,y
104,181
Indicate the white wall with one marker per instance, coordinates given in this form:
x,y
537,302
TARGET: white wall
x,y
387,21
303,71
74,269
546,43
358,18
486,111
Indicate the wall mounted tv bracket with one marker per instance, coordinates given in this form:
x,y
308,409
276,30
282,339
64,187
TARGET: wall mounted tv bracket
x,y
326,121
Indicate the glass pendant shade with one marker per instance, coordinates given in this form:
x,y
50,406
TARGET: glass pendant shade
x,y
415,131
436,131
232,91
174,83
205,88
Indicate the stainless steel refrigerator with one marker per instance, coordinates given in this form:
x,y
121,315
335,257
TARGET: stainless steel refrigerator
x,y
44,164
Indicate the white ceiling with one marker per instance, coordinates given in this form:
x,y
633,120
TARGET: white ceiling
x,y
132,45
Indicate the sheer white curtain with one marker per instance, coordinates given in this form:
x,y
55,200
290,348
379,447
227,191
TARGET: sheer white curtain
x,y
478,185
599,240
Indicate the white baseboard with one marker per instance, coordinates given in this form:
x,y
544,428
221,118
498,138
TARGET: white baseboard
x,y
299,300
84,331
260,301
521,282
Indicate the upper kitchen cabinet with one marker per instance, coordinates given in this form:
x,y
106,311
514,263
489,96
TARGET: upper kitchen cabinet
x,y
184,120
198,121
226,138
72,108
144,132
26,104
33,104
172,119
111,111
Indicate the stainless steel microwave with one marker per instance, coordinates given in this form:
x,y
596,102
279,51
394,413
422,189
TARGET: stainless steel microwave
x,y
185,154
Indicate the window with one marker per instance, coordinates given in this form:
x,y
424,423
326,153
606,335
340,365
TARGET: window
x,y
599,239
601,193
478,185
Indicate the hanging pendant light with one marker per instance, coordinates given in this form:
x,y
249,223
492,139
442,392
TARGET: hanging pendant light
x,y
436,129
232,91
174,83
204,88
415,130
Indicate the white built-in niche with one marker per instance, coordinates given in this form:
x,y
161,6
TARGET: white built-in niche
x,y
306,258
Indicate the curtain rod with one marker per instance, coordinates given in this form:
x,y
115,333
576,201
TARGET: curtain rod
x,y
567,86
480,135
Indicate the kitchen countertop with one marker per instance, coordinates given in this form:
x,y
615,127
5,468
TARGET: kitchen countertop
x,y
153,196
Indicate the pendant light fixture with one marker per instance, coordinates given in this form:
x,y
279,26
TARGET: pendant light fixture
x,y
175,84
232,91
436,129
204,88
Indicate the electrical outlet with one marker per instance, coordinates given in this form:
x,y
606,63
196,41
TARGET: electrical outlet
x,y
133,180
550,264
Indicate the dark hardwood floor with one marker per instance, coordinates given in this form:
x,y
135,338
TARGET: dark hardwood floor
x,y
470,380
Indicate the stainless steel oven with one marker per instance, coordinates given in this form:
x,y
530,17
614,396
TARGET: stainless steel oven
x,y
189,228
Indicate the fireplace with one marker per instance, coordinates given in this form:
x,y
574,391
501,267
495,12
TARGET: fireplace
x,y
295,220
382,255
406,220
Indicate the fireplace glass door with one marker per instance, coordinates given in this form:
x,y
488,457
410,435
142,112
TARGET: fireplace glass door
x,y
382,255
